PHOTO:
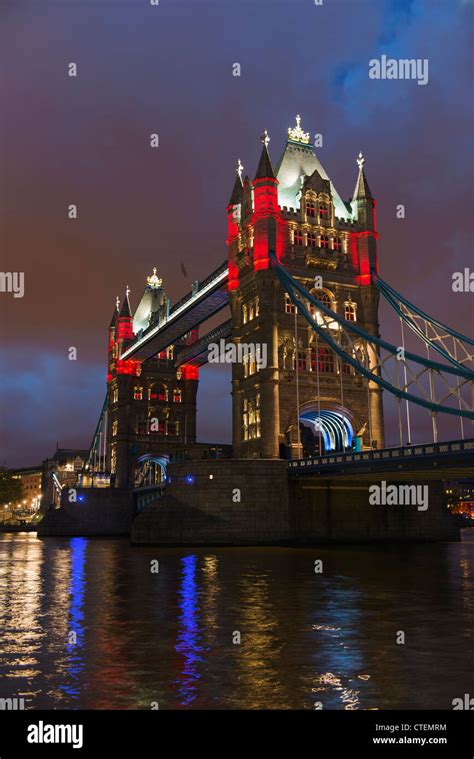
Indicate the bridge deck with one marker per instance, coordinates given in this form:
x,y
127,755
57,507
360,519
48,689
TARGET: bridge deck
x,y
446,460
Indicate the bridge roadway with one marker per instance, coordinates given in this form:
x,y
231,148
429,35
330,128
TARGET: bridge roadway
x,y
204,300
450,460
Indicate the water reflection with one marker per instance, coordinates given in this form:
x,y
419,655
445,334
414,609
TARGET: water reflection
x,y
169,637
189,635
75,636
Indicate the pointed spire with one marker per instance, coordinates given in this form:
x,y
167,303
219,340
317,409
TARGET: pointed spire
x,y
236,196
265,168
116,312
126,310
362,190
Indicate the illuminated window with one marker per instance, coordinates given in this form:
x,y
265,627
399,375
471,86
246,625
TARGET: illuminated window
x,y
158,392
302,361
298,238
324,241
252,418
323,212
324,298
115,395
177,395
310,208
289,305
244,313
113,461
350,312
337,243
325,360
170,352
138,393
114,427
312,239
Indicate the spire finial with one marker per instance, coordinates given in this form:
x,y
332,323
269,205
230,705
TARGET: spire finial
x,y
265,138
154,281
360,161
127,291
117,303
239,169
296,134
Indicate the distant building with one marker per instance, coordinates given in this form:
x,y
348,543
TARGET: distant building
x,y
59,471
30,478
460,497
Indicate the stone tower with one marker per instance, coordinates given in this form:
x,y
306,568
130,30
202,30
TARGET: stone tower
x,y
151,405
303,399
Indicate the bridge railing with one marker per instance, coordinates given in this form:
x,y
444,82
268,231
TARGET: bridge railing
x,y
405,452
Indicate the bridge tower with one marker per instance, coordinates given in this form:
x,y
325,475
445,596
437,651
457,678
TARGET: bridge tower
x,y
151,405
329,245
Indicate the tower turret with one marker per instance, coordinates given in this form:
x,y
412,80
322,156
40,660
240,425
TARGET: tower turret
x,y
266,212
234,217
363,243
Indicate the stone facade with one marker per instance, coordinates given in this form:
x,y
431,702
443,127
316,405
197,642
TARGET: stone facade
x,y
319,236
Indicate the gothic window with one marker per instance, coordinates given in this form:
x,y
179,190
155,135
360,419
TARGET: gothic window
x,y
177,395
114,427
324,298
324,243
252,418
325,360
312,239
298,237
158,392
337,243
350,312
302,361
310,208
169,352
138,393
115,395
289,305
323,212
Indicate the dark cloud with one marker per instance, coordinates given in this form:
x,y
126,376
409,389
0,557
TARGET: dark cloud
x,y
169,70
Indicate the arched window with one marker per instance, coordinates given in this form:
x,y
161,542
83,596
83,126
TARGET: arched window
x,y
289,305
158,392
350,311
138,393
323,360
177,395
298,238
310,208
312,239
323,212
324,297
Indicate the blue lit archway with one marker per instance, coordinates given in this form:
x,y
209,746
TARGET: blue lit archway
x,y
150,470
334,428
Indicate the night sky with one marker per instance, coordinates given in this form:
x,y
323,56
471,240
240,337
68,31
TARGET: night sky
x,y
168,69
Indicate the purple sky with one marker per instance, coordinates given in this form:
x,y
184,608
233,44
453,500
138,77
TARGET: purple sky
x,y
168,69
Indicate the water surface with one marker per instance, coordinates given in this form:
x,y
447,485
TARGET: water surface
x,y
85,623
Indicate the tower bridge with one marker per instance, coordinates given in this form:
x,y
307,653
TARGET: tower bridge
x,y
302,277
